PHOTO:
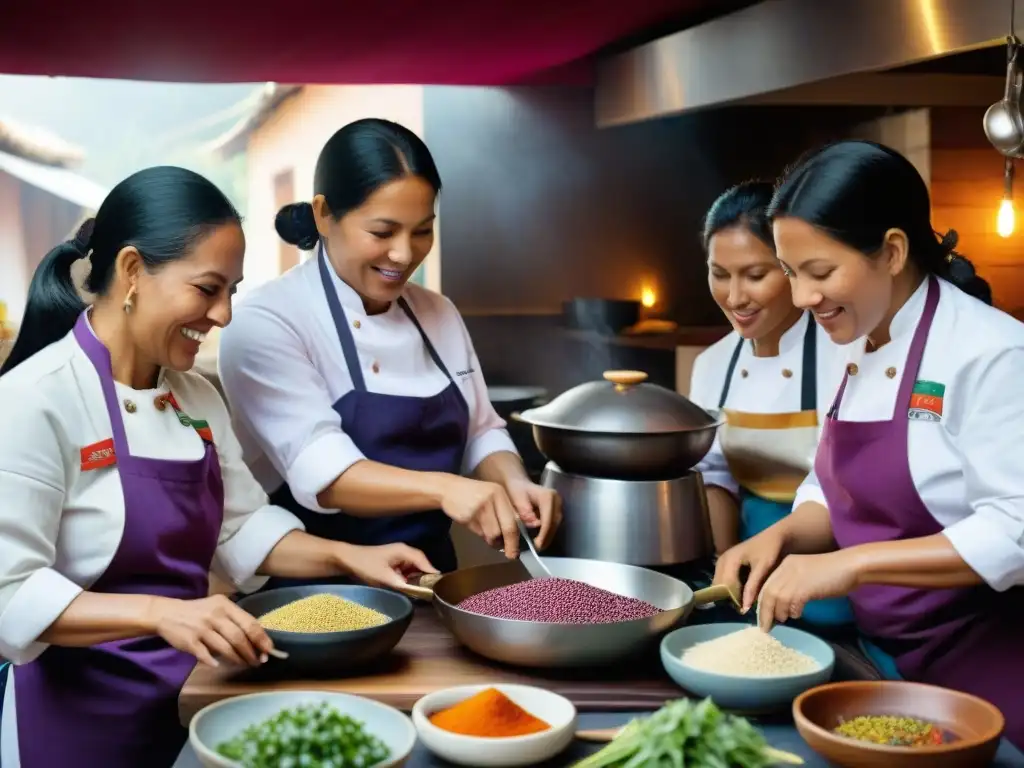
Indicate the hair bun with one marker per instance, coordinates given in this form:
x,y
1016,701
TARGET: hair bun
x,y
961,271
83,237
296,225
949,241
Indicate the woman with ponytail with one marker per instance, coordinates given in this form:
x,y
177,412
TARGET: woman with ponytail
x,y
915,507
357,394
122,485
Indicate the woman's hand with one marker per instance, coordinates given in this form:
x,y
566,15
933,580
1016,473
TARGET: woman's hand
x,y
761,553
485,508
210,627
537,506
802,578
388,565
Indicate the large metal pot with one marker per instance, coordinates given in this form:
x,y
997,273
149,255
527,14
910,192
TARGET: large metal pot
x,y
623,428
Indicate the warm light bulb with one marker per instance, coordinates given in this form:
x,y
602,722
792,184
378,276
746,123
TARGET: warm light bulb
x,y
1005,219
647,298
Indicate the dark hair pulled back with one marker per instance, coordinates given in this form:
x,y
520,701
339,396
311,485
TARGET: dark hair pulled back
x,y
857,191
162,212
744,205
354,163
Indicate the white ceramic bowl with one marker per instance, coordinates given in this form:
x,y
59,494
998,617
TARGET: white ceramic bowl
x,y
225,719
557,711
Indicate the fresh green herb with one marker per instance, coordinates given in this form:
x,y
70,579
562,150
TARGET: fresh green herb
x,y
688,734
313,736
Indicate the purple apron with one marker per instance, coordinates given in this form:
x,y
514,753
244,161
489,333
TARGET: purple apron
x,y
966,639
424,434
115,705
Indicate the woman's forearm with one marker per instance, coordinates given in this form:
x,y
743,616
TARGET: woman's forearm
x,y
298,555
501,467
929,562
369,489
724,514
93,618
807,530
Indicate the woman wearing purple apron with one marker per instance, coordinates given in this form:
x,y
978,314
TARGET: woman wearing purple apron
x,y
915,509
123,485
356,393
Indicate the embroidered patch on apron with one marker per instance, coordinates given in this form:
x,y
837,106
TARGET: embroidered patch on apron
x,y
926,401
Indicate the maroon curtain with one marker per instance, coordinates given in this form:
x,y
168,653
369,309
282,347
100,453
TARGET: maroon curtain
x,y
457,42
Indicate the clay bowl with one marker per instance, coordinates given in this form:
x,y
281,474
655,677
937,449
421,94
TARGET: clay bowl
x,y
976,725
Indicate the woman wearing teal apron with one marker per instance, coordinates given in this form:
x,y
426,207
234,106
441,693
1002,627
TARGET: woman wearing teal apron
x,y
764,378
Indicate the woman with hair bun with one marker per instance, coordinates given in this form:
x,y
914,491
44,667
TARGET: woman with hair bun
x,y
122,485
357,394
773,378
915,508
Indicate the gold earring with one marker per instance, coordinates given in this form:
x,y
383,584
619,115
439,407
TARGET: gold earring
x,y
129,301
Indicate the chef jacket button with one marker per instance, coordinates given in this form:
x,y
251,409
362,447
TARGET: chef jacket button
x,y
744,373
852,369
787,373
890,372
375,367
356,324
129,406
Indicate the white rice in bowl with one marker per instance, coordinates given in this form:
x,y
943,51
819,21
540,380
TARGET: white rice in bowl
x,y
748,653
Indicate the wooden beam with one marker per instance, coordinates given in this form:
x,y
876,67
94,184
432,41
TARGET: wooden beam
x,y
892,90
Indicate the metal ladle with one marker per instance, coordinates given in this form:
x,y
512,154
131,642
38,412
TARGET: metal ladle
x,y
531,559
1004,126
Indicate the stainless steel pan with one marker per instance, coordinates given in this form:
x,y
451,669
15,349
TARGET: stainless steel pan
x,y
541,644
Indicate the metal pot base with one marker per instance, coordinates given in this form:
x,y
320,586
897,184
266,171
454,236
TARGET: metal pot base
x,y
634,522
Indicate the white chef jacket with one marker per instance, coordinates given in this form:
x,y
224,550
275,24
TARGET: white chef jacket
x,y
282,369
60,527
765,389
969,466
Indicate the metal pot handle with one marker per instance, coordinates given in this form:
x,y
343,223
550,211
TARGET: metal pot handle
x,y
423,589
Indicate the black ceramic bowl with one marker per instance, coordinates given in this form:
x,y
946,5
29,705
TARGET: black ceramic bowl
x,y
332,654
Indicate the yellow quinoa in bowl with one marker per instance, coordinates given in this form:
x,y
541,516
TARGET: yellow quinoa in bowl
x,y
322,613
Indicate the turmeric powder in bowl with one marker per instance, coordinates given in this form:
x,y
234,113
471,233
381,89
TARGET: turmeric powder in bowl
x,y
488,714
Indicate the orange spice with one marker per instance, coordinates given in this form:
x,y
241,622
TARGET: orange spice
x,y
489,713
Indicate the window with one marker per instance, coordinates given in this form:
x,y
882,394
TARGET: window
x,y
284,193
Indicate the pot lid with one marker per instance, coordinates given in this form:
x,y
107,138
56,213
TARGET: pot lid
x,y
624,404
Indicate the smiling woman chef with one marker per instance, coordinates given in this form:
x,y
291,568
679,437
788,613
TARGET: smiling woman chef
x,y
358,397
774,378
915,508
122,484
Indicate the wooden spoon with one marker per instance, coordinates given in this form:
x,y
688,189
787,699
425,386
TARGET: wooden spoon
x,y
600,735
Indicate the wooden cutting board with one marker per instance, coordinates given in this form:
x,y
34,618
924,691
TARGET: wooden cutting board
x,y
428,659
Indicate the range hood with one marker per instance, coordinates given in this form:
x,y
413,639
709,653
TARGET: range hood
x,y
783,51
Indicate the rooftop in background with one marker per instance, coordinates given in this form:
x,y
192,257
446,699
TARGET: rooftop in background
x,y
234,139
37,145
41,159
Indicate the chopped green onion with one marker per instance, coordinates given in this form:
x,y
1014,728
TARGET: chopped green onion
x,y
307,736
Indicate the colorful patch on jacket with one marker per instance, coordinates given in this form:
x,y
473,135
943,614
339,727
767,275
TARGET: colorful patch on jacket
x,y
926,401
200,426
98,455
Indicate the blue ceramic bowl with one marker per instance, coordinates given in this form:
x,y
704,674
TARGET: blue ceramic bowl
x,y
753,694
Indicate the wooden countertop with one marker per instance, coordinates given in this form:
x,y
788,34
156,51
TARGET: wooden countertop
x,y
428,659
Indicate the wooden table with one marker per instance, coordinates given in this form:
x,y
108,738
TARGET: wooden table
x,y
428,659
